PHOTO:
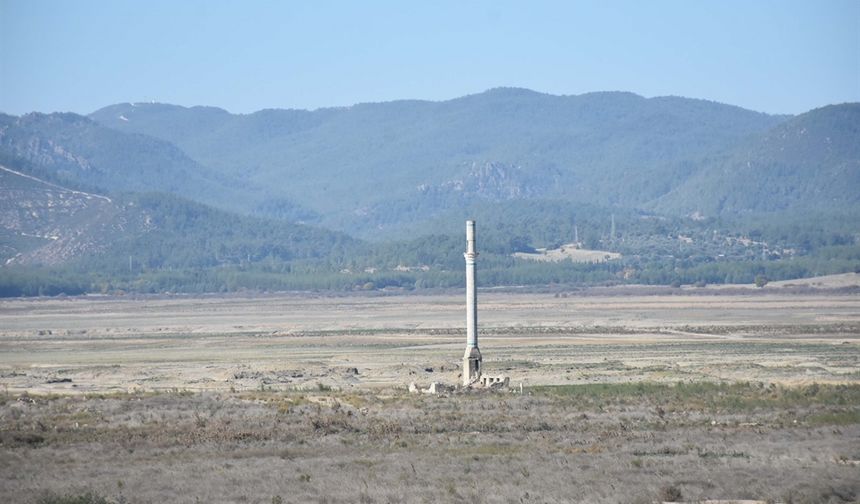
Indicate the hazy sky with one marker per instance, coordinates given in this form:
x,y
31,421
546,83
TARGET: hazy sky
x,y
778,56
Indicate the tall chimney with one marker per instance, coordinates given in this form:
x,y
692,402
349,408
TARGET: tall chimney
x,y
472,357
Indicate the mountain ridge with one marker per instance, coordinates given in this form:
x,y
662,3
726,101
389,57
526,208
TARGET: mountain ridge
x,y
342,160
498,90
377,171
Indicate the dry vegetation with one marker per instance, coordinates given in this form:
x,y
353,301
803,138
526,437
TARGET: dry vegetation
x,y
627,398
594,443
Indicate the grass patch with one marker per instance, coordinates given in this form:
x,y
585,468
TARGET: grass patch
x,y
709,396
666,451
834,418
486,449
509,365
706,454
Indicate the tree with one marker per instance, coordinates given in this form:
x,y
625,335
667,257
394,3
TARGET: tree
x,y
520,244
760,281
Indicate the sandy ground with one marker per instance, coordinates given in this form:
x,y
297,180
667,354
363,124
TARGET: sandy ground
x,y
829,281
78,345
840,281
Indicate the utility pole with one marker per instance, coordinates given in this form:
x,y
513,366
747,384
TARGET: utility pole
x,y
612,229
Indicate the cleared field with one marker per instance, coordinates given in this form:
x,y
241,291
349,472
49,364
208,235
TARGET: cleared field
x,y
627,398
570,252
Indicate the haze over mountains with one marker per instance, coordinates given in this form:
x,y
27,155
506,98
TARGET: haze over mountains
x,y
350,168
398,170
373,164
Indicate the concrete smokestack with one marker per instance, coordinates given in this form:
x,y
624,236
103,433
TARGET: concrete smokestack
x,y
472,357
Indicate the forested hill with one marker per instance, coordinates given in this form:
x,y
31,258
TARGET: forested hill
x,y
810,162
78,152
347,165
111,238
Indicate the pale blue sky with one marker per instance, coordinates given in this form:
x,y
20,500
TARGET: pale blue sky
x,y
778,56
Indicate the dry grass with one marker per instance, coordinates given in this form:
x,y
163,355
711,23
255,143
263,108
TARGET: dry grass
x,y
595,443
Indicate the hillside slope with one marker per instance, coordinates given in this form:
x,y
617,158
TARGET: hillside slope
x,y
809,162
45,224
78,151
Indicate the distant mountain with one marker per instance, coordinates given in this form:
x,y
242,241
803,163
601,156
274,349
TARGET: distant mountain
x,y
47,224
811,162
78,151
382,169
355,168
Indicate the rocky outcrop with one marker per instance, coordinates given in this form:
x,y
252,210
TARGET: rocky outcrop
x,y
28,138
495,181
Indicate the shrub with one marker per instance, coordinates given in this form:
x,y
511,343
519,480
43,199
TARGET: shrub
x,y
670,493
88,497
